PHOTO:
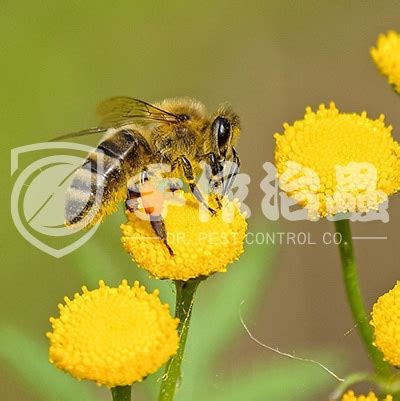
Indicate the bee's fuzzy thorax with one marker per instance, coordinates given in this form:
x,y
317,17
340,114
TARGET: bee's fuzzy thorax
x,y
184,105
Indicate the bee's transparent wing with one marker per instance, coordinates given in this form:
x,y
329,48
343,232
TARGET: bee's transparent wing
x,y
118,111
122,110
88,131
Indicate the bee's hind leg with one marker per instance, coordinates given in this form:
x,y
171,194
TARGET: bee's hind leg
x,y
156,221
159,228
132,199
133,193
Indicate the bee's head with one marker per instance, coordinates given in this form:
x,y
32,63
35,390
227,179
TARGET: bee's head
x,y
225,130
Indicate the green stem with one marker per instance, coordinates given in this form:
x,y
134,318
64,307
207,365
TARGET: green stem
x,y
354,297
185,292
121,393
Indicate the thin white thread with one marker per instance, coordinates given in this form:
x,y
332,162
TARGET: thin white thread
x,y
350,330
284,353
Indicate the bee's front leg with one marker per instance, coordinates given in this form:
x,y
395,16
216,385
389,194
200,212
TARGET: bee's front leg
x,y
216,179
233,172
189,176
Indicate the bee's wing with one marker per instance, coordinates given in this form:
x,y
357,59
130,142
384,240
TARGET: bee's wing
x,y
124,110
89,131
120,110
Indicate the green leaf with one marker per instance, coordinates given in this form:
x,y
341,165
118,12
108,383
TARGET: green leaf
x,y
30,361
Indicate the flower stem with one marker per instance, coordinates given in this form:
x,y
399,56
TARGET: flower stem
x,y
185,292
121,393
354,297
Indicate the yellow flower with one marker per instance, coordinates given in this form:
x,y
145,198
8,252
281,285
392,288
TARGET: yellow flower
x,y
350,396
200,247
113,336
386,56
333,162
386,323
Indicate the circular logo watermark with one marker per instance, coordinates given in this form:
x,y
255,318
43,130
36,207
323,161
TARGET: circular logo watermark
x,y
38,195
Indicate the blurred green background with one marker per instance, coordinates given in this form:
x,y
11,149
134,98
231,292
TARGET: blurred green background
x,y
270,60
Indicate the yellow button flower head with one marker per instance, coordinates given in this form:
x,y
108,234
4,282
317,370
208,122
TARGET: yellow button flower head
x,y
386,56
350,396
332,162
113,336
386,323
200,247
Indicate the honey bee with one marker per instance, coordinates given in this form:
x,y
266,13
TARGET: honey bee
x,y
176,132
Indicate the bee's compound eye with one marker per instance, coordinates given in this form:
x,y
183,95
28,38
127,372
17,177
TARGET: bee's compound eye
x,y
223,129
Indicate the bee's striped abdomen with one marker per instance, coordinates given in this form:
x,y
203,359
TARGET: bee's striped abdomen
x,y
100,183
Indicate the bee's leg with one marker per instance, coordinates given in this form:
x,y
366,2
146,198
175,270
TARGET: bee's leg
x,y
218,200
156,221
131,202
158,225
233,172
216,179
189,176
144,176
132,196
